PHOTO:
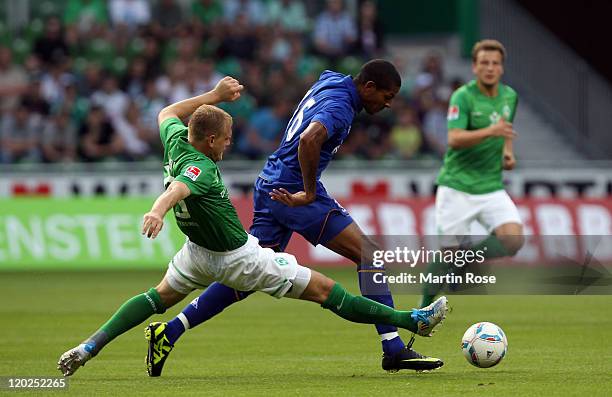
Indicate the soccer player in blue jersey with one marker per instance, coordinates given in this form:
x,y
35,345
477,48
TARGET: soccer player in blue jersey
x,y
289,197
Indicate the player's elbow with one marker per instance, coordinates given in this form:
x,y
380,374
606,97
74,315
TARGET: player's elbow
x,y
165,114
308,141
453,142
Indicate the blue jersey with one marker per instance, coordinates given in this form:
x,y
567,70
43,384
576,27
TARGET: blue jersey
x,y
332,101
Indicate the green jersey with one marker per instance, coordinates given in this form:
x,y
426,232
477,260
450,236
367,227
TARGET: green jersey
x,y
207,215
477,169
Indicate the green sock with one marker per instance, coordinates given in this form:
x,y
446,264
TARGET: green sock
x,y
436,268
492,247
363,310
130,314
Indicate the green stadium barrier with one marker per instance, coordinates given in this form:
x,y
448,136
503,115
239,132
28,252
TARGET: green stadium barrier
x,y
42,233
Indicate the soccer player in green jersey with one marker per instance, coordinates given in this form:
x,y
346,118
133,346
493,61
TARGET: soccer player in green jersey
x,y
217,247
470,183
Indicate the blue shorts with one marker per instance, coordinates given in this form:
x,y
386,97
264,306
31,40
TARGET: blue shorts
x,y
274,222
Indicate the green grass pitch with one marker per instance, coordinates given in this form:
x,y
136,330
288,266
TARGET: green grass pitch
x,y
558,345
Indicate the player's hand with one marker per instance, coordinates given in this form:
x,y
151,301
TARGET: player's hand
x,y
291,199
152,224
503,128
228,89
509,161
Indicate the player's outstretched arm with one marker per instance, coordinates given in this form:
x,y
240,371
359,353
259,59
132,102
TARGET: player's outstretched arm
x,y
461,139
309,152
153,220
227,90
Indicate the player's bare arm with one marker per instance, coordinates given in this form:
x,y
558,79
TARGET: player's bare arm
x,y
508,159
227,90
309,151
462,139
153,220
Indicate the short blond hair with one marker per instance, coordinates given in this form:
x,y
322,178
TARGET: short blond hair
x,y
488,45
208,120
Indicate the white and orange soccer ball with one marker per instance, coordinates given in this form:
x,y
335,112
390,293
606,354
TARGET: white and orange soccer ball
x,y
484,345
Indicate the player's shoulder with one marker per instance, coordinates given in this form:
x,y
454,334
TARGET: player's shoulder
x,y
509,91
463,93
171,128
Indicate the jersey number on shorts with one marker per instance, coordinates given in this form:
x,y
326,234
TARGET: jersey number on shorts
x,y
295,124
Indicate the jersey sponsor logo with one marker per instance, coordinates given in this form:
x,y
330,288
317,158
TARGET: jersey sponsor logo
x,y
192,172
453,112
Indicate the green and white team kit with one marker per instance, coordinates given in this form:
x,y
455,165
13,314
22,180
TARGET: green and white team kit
x,y
217,246
207,216
470,186
477,169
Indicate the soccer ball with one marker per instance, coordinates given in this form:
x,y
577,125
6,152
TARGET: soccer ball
x,y
484,345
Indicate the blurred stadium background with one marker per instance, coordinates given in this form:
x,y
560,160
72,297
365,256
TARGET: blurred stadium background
x,y
81,82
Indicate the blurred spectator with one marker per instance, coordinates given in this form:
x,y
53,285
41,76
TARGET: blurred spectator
x,y
150,103
51,48
85,13
334,32
207,76
110,97
151,54
240,41
370,31
53,84
138,138
289,14
406,137
90,80
264,130
207,12
33,99
20,136
435,128
98,139
13,81
184,82
133,82
132,13
167,15
253,11
59,139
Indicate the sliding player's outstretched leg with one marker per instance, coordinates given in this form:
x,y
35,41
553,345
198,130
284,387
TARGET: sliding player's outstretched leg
x,y
130,314
334,297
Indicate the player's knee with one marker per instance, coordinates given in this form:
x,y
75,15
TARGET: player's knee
x,y
325,288
513,244
318,288
168,296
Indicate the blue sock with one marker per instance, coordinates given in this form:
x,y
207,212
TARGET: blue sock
x,y
391,342
210,303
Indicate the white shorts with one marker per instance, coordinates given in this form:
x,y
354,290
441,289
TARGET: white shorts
x,y
456,210
248,268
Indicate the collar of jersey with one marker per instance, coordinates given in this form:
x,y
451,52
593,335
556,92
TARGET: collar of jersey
x,y
355,100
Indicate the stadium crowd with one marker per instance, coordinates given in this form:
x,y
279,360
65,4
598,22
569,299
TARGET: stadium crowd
x,y
84,80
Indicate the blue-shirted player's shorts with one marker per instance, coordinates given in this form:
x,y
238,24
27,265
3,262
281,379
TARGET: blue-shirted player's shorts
x,y
274,222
